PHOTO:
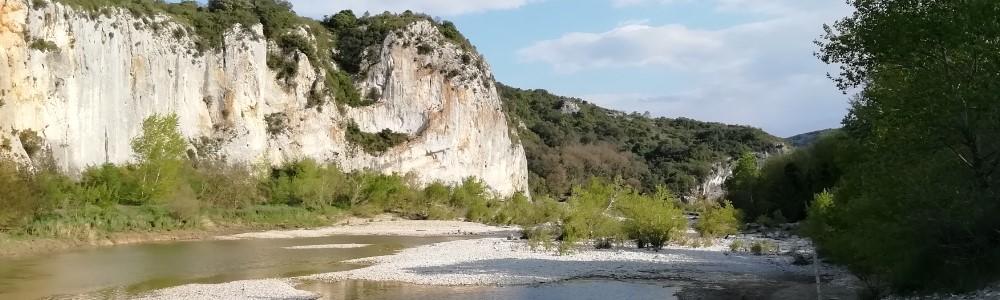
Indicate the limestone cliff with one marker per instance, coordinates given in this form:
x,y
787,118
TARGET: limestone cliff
x,y
84,82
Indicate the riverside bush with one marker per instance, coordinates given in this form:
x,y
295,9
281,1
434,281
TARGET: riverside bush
x,y
653,221
718,221
591,215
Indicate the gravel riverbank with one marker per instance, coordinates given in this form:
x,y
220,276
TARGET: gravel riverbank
x,y
383,227
498,261
491,261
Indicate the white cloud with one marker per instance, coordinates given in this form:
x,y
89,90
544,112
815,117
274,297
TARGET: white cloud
x,y
317,8
760,73
637,45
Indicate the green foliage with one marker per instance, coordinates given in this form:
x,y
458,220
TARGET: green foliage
x,y
740,187
718,221
16,196
786,183
373,143
160,151
308,184
110,185
30,141
653,221
227,186
277,123
361,38
565,149
43,45
763,247
591,215
917,209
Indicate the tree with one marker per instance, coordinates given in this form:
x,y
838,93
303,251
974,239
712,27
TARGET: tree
x,y
740,187
160,152
918,211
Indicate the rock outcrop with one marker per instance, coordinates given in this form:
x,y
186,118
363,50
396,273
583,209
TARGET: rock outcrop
x,y
85,82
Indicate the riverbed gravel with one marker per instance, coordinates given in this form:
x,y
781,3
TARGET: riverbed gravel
x,y
246,289
384,227
499,261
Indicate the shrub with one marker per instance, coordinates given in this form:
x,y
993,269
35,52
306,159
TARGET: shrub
x,y
308,184
718,221
590,215
737,246
277,123
227,186
31,142
18,200
424,49
652,221
109,185
43,45
541,236
763,247
373,143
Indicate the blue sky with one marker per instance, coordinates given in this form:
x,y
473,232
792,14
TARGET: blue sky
x,y
735,61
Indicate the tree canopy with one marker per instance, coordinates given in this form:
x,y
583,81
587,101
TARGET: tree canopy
x,y
917,209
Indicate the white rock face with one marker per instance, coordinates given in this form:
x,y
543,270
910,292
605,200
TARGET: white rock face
x,y
87,99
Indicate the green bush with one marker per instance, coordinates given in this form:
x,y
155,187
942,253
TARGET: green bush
x,y
653,221
718,221
277,123
31,142
591,215
109,185
308,184
373,143
43,45
18,200
763,247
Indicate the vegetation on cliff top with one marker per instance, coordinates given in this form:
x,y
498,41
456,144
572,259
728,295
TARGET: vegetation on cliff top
x,y
568,140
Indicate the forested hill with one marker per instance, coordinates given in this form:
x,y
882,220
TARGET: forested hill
x,y
808,138
568,140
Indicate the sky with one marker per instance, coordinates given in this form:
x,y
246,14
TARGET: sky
x,y
747,62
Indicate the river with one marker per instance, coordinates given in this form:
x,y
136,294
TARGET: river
x,y
120,271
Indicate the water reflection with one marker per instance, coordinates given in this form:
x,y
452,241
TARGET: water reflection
x,y
569,290
132,269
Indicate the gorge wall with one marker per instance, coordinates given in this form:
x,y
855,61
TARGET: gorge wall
x,y
85,82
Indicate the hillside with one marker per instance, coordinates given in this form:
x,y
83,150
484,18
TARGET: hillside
x,y
568,140
808,138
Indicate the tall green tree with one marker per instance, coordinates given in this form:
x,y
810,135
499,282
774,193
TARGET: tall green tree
x,y
160,154
918,211
740,187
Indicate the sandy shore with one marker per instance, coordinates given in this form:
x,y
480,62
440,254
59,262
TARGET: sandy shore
x,y
357,226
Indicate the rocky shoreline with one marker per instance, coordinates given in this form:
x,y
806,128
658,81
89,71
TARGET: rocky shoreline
x,y
492,261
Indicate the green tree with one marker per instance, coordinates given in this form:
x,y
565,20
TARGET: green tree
x,y
160,153
919,209
740,187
